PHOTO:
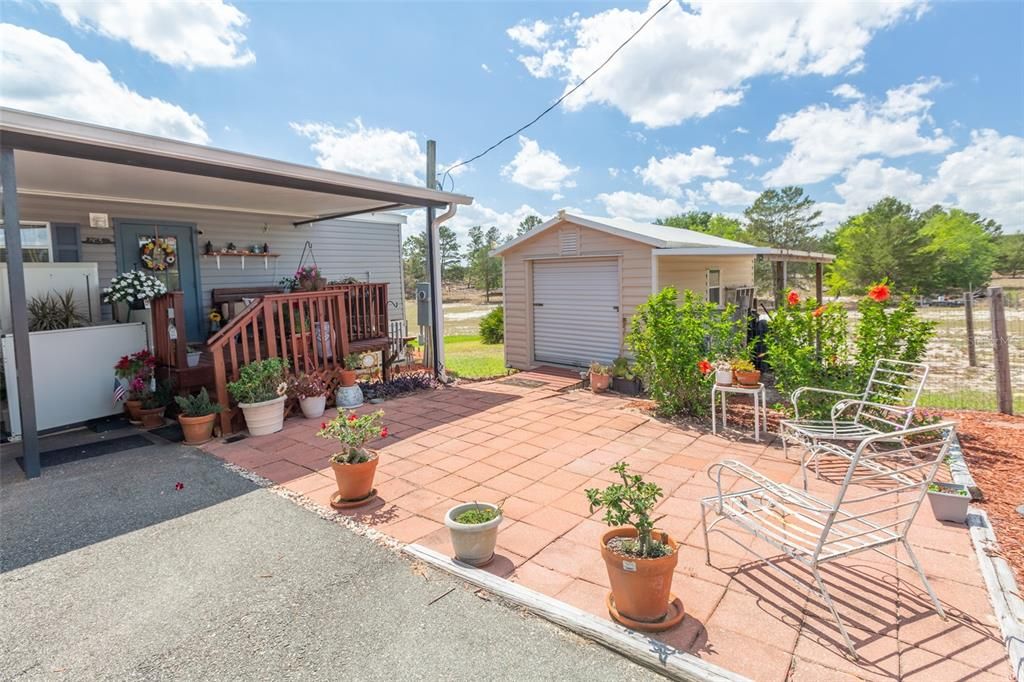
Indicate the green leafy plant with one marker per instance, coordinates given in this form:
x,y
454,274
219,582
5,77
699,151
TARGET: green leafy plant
x,y
260,381
492,326
161,397
197,405
479,515
306,386
936,488
597,368
353,361
896,333
353,432
630,503
671,341
622,369
56,311
741,365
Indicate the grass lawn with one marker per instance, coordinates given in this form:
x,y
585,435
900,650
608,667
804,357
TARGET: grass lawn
x,y
470,358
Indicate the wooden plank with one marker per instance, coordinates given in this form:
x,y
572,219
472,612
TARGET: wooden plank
x,y
244,333
269,328
181,346
636,646
1000,350
972,356
221,389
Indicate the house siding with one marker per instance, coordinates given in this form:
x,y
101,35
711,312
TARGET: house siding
x,y
690,272
634,272
343,247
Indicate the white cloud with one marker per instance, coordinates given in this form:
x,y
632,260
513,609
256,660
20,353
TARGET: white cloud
x,y
192,33
485,68
826,140
752,159
44,75
694,59
478,214
727,193
614,172
536,168
639,207
377,152
671,172
557,196
741,130
847,91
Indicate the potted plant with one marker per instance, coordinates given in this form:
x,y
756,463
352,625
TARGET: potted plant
x,y
133,289
353,361
473,527
154,404
624,379
260,392
308,278
354,464
723,372
639,559
197,417
311,392
949,501
599,377
744,372
136,372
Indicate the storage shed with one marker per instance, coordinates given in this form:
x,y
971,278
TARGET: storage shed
x,y
573,283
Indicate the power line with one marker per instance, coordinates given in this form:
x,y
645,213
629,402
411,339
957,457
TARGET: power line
x,y
448,171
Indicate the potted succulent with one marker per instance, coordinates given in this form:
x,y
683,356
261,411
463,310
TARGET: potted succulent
x,y
723,372
154,404
949,501
136,371
260,392
744,372
600,378
197,417
640,559
311,392
624,379
354,465
353,361
473,527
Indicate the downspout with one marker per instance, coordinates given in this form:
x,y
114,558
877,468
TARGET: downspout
x,y
436,309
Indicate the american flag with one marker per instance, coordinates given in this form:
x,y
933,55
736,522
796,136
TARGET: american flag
x,y
119,391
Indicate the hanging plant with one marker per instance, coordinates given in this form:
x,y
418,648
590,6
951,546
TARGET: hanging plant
x,y
158,254
133,286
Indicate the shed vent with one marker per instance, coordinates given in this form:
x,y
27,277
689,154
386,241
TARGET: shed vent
x,y
569,242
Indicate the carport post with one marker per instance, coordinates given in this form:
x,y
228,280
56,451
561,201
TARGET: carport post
x,y
19,316
434,268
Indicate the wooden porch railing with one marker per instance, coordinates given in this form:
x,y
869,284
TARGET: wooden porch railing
x,y
170,347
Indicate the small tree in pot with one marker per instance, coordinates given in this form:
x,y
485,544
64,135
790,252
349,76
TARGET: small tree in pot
x,y
198,414
354,464
347,376
640,560
260,392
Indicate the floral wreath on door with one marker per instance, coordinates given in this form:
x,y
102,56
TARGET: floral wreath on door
x,y
158,254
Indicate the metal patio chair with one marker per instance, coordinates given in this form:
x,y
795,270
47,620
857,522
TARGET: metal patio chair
x,y
884,485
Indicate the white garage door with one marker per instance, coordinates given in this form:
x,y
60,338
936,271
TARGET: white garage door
x,y
576,311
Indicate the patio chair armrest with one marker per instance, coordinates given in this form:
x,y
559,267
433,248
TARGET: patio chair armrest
x,y
842,405
794,397
947,427
763,483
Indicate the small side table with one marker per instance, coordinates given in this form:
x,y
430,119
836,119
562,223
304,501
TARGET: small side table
x,y
760,408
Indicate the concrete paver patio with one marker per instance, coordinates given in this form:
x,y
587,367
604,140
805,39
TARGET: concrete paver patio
x,y
537,446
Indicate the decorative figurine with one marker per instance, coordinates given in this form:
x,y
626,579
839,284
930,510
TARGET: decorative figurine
x,y
208,249
230,248
266,247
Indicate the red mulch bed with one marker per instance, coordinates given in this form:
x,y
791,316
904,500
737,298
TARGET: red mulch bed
x,y
993,446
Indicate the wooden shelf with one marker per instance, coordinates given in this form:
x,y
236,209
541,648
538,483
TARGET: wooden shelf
x,y
238,254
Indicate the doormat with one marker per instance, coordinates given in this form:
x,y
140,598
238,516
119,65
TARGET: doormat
x,y
105,424
523,383
77,452
171,432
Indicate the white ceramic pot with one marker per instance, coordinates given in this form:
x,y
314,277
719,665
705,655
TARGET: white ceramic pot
x,y
949,502
264,418
723,377
193,358
313,408
473,543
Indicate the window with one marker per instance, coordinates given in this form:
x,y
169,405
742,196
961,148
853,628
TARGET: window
x,y
35,243
715,287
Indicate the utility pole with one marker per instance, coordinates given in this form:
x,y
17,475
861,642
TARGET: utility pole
x,y
434,268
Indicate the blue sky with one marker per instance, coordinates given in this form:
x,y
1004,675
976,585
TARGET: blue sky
x,y
707,107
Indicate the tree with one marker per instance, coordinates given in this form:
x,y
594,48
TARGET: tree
x,y
448,249
1010,254
714,224
483,269
414,262
783,218
960,250
527,224
882,243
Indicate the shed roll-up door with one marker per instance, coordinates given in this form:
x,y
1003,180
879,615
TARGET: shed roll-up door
x,y
576,311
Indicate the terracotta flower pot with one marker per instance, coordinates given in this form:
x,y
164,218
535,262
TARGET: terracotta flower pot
x,y
132,407
152,417
599,382
347,377
265,417
751,378
473,542
197,429
355,481
313,408
640,587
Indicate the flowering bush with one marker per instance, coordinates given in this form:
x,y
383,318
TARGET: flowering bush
x,y
306,386
353,432
670,340
896,333
137,372
260,381
129,287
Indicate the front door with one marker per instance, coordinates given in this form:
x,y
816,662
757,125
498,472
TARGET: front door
x,y
165,251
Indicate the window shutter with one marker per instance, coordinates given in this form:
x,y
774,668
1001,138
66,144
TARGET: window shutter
x,y
67,244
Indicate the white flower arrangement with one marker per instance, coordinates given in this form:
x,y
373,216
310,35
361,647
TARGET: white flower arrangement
x,y
129,287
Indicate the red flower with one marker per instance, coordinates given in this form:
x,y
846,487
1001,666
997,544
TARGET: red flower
x,y
793,298
179,486
384,432
352,417
818,311
879,292
704,366
323,425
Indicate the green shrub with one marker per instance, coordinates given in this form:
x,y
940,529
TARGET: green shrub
x,y
630,503
492,326
478,515
58,311
670,341
896,333
198,405
260,381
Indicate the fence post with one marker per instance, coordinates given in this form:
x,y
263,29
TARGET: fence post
x,y
972,356
1000,351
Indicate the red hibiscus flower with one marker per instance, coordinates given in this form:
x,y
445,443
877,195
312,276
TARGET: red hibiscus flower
x,y
323,425
179,486
879,292
793,298
352,417
704,366
818,311
384,432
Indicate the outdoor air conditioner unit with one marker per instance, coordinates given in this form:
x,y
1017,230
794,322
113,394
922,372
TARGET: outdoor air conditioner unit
x,y
741,297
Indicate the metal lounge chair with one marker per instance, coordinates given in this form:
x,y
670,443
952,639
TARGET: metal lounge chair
x,y
883,487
